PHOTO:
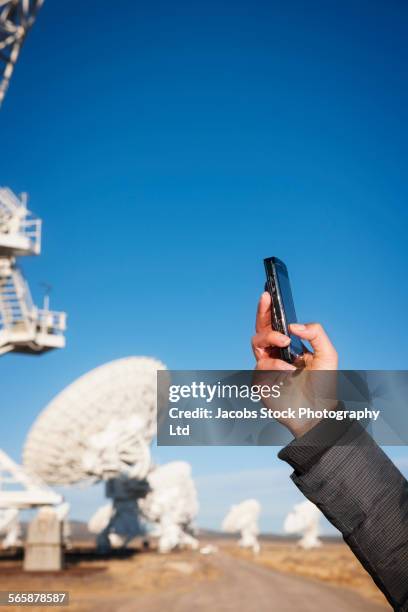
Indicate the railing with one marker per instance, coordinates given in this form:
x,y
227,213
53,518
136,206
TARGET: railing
x,y
23,326
18,313
42,321
30,227
15,302
16,219
51,322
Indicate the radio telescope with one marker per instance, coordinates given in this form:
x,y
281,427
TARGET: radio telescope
x,y
304,519
119,521
243,518
100,426
100,429
171,505
168,501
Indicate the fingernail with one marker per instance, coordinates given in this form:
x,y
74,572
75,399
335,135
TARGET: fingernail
x,y
286,341
298,326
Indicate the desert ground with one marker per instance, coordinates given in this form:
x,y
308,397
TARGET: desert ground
x,y
281,578
333,563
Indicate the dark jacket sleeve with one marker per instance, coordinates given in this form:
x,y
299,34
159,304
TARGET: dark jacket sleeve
x,y
362,493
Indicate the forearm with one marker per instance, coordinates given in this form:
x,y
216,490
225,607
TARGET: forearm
x,y
363,494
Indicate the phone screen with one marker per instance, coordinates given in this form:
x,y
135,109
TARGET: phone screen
x,y
286,295
288,305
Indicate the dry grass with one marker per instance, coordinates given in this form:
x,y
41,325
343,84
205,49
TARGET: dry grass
x,y
91,584
333,563
103,585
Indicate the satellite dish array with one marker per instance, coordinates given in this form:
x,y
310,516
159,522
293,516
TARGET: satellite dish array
x,y
101,428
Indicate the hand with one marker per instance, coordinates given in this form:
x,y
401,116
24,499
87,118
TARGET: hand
x,y
267,342
266,345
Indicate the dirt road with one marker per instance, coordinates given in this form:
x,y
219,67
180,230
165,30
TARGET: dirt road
x,y
186,581
243,586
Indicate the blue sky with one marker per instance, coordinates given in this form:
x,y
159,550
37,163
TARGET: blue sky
x,y
169,148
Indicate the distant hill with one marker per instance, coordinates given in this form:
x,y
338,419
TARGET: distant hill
x,y
213,534
80,532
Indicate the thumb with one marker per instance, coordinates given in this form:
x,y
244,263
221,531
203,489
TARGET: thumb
x,y
319,340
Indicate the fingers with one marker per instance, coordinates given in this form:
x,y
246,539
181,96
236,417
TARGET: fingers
x,y
263,315
274,364
264,342
315,334
267,342
269,339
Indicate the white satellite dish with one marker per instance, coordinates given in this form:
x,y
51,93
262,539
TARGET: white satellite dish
x,y
304,519
100,428
171,505
243,518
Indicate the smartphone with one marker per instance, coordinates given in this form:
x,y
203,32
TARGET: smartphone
x,y
282,308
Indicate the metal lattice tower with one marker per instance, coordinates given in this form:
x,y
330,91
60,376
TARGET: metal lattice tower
x,y
23,327
16,18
